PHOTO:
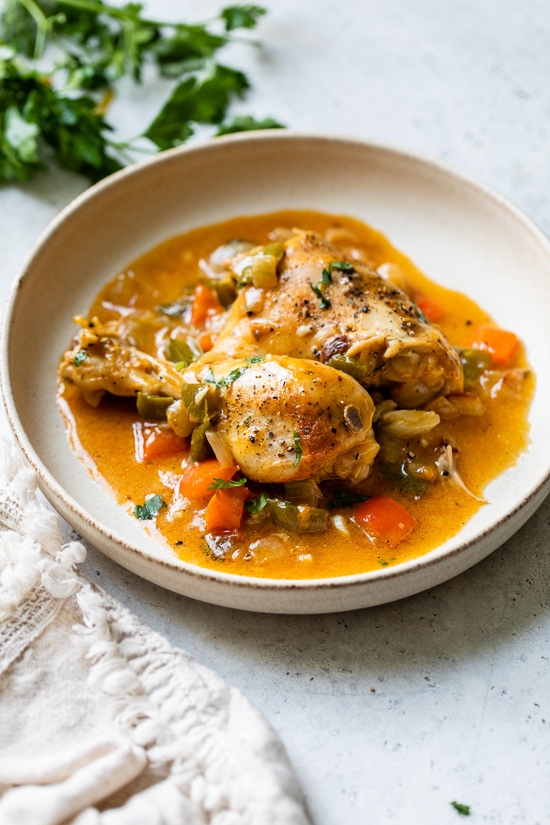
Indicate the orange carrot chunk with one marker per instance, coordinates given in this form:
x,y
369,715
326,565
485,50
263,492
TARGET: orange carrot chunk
x,y
386,519
205,342
197,478
433,311
501,344
154,441
205,303
225,509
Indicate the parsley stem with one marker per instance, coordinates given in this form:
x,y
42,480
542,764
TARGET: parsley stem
x,y
100,8
127,146
126,13
41,26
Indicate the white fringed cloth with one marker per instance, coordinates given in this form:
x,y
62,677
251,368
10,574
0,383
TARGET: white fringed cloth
x,y
102,722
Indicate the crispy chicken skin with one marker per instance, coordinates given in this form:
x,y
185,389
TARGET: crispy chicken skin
x,y
286,419
357,314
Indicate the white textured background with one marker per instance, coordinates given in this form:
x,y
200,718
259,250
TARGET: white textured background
x,y
391,713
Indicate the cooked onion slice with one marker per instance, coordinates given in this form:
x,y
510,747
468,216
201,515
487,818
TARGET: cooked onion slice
x,y
220,448
447,468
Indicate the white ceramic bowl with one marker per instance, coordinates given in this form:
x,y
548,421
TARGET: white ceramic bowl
x,y
457,232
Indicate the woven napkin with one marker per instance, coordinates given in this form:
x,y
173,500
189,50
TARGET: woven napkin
x,y
102,721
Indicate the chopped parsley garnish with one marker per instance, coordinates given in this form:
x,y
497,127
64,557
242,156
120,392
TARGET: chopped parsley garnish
x,y
150,509
325,303
227,380
297,447
221,484
464,810
344,498
342,266
326,279
256,505
233,375
80,356
210,378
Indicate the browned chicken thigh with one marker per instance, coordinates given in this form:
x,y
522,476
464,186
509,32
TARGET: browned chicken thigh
x,y
344,314
287,419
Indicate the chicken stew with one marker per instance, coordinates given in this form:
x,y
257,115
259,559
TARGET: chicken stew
x,y
287,396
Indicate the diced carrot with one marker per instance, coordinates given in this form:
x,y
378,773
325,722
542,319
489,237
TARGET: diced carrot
x,y
386,518
206,343
153,441
205,303
198,477
224,511
433,311
501,344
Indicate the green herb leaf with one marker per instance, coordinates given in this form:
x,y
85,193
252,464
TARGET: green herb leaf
x,y
256,505
32,113
22,135
342,266
234,374
188,49
256,359
226,380
241,17
80,356
18,28
462,809
247,123
196,99
324,301
150,509
210,378
326,280
221,484
60,104
297,447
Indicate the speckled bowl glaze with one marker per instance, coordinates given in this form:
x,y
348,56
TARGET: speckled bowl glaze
x,y
458,232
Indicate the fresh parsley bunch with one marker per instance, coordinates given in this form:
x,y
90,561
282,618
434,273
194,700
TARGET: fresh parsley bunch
x,y
88,46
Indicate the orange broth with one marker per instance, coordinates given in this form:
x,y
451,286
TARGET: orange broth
x,y
103,436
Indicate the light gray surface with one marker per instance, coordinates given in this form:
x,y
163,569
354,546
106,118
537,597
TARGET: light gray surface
x,y
391,713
